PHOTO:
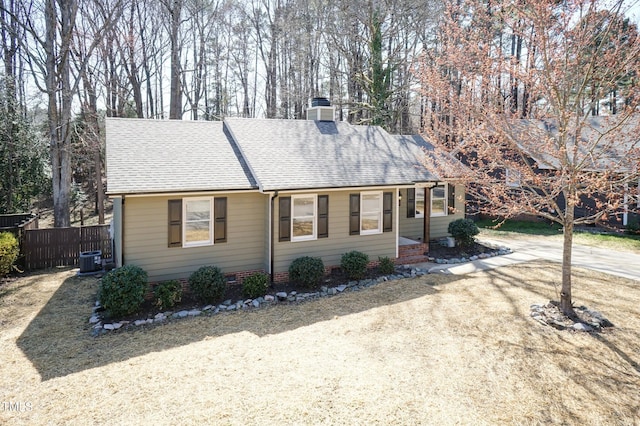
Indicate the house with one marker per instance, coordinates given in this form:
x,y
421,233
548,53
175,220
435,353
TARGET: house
x,y
606,144
252,195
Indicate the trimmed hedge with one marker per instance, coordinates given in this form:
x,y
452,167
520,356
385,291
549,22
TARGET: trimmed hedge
x,y
122,290
9,250
255,285
307,271
386,266
464,231
168,293
354,264
208,284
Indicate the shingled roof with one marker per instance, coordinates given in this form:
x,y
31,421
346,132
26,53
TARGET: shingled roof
x,y
155,156
159,156
305,154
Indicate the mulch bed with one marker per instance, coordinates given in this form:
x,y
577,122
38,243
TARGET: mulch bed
x,y
438,251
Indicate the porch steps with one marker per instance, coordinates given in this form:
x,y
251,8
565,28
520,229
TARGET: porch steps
x,y
412,253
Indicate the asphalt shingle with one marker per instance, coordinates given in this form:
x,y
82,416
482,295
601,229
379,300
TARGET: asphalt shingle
x,y
304,154
153,156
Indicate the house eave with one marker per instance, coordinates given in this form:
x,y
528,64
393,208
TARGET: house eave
x,y
194,192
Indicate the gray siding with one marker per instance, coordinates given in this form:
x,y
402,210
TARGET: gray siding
x,y
146,227
339,241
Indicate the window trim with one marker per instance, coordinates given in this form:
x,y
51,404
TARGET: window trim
x,y
185,221
443,198
314,217
379,230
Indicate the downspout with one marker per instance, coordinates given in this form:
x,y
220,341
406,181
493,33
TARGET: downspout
x,y
274,195
122,232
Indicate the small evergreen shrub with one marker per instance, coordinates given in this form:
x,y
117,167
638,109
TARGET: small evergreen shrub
x,y
354,264
122,290
168,293
208,284
464,231
307,271
9,250
632,228
255,285
386,266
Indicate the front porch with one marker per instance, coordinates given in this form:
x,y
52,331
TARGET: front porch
x,y
411,251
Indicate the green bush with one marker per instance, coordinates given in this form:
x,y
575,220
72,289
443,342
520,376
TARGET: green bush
x,y
255,285
464,231
307,271
633,227
208,284
386,266
354,264
9,250
122,290
168,293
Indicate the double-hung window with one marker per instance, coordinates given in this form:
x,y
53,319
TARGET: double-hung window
x,y
439,200
195,222
303,217
198,223
371,213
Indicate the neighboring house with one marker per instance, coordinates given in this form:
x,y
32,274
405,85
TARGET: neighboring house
x,y
605,145
252,195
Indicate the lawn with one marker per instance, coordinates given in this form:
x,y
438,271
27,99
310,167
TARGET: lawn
x,y
431,350
584,236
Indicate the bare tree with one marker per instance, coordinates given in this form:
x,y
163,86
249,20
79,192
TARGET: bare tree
x,y
549,164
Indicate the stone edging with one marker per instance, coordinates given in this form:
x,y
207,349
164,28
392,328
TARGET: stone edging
x,y
401,272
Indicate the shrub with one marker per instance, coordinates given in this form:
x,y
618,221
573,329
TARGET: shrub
x,y
633,227
464,231
168,293
122,290
307,271
208,284
386,266
255,285
354,264
9,250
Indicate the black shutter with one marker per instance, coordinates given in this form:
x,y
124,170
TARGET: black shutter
x,y
411,202
387,211
354,214
451,195
175,223
285,219
220,220
323,216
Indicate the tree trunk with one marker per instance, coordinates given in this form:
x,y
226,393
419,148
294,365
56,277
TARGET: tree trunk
x,y
175,103
566,304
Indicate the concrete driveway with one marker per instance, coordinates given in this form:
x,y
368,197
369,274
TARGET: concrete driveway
x,y
612,262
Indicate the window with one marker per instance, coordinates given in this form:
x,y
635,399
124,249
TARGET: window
x,y
419,202
195,222
439,200
197,226
303,217
370,213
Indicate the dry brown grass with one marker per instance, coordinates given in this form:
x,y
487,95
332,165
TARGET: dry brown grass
x,y
434,350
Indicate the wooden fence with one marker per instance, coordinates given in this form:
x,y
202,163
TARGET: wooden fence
x,y
46,248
